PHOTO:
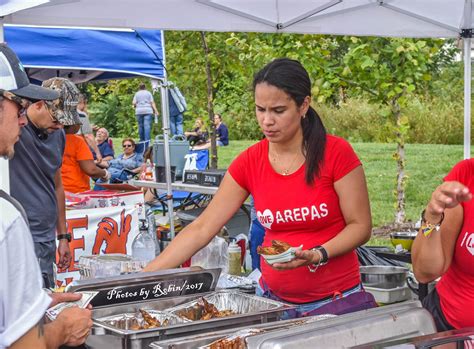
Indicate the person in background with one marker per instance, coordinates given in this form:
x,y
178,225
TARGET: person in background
x,y
86,128
177,104
444,247
256,235
309,189
198,135
125,164
144,109
106,151
222,133
78,163
35,174
23,301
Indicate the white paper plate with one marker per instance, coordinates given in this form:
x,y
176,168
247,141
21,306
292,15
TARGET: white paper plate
x,y
288,253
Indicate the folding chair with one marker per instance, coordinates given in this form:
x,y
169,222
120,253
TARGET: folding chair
x,y
141,147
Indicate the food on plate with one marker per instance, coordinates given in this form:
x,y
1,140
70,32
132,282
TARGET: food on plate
x,y
204,311
277,247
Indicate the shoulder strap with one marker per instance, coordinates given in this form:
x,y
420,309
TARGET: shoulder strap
x,y
15,204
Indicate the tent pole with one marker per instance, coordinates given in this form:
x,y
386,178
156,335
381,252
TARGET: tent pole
x,y
4,173
467,97
166,134
165,112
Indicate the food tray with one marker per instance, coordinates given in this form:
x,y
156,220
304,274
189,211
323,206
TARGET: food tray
x,y
126,321
204,340
97,266
391,295
238,303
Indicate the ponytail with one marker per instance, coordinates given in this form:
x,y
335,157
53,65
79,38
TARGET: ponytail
x,y
314,144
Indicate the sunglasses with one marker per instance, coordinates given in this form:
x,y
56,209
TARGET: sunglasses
x,y
53,118
127,145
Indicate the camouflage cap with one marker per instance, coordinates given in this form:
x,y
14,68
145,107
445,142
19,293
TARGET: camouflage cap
x,y
64,109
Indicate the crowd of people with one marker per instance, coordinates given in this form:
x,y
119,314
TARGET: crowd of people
x,y
327,210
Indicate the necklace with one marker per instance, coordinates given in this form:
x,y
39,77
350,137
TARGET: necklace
x,y
276,160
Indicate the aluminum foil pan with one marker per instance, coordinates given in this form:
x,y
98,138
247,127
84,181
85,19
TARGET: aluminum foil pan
x,y
130,321
238,303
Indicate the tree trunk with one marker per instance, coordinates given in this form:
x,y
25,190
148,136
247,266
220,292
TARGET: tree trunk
x,y
210,107
400,158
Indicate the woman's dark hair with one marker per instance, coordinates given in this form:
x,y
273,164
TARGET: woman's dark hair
x,y
291,77
129,140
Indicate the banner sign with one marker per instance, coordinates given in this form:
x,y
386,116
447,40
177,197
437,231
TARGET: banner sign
x,y
98,231
175,287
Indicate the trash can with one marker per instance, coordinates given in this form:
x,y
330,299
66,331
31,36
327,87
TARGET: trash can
x,y
179,147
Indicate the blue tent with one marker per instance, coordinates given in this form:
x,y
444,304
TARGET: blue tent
x,y
85,54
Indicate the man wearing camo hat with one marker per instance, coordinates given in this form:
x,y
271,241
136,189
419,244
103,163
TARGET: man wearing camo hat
x,y
35,174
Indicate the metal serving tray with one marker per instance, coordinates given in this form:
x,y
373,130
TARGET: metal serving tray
x,y
205,339
237,302
127,321
395,321
106,336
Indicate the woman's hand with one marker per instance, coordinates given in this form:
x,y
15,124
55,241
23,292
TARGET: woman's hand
x,y
447,195
302,258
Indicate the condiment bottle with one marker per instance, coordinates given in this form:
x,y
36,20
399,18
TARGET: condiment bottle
x,y
234,259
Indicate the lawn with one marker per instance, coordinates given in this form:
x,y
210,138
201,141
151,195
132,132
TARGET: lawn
x,y
425,166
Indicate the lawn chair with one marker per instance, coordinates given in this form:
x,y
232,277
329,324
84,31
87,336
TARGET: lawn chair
x,y
141,147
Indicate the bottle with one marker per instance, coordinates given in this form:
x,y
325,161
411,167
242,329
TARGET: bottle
x,y
148,170
143,246
152,230
234,259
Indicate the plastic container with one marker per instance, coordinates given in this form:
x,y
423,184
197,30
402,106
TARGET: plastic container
x,y
234,259
143,246
179,147
149,173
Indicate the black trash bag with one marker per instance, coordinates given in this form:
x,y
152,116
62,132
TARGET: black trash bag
x,y
367,256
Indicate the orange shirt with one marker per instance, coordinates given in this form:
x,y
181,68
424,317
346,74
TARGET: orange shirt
x,y
74,180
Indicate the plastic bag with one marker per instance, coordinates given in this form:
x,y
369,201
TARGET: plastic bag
x,y
214,255
191,163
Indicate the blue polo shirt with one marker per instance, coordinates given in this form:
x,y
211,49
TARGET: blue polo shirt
x,y
38,156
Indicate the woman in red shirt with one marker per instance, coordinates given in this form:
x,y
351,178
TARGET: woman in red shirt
x,y
445,247
309,189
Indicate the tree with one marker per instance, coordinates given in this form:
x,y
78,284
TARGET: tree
x,y
388,70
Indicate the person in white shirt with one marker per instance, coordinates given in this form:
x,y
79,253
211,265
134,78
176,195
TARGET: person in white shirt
x,y
23,302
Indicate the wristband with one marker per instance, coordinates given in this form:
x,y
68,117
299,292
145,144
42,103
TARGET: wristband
x,y
66,236
324,254
427,228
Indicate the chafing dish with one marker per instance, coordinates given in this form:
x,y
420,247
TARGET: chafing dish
x,y
164,293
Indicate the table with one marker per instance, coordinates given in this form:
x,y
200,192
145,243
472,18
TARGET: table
x,y
192,188
405,257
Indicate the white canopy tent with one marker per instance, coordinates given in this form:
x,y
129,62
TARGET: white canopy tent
x,y
390,18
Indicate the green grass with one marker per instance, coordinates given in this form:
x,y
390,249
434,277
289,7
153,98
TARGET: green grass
x,y
426,165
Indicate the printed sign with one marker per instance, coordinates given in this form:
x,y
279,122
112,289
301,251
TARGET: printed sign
x,y
98,231
179,286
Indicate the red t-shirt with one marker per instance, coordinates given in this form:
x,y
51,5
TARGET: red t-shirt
x,y
456,287
74,180
299,214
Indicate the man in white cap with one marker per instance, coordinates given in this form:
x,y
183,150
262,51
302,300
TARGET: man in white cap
x,y
35,172
23,302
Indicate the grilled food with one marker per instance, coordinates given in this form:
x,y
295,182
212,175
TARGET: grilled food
x,y
204,311
277,247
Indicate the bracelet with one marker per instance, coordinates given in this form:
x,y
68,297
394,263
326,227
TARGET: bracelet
x,y
313,267
427,228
